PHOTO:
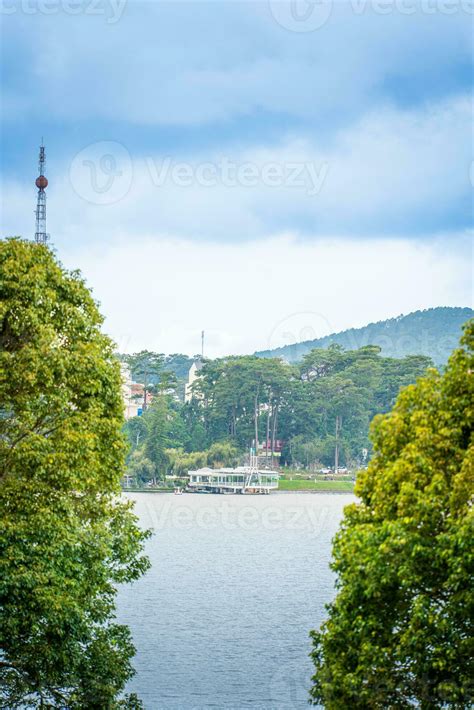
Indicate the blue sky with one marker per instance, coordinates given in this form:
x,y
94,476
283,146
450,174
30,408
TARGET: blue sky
x,y
244,128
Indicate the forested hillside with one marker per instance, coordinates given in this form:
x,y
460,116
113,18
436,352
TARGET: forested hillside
x,y
434,332
312,407
242,400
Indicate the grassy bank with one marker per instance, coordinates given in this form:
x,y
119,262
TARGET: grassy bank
x,y
304,485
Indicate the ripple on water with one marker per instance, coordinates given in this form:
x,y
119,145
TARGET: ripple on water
x,y
222,618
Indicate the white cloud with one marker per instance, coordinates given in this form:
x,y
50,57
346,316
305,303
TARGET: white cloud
x,y
167,261
194,63
393,171
158,293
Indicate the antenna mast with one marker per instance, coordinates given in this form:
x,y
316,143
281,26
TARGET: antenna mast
x,y
41,237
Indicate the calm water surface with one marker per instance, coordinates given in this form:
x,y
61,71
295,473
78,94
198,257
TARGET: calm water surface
x,y
222,618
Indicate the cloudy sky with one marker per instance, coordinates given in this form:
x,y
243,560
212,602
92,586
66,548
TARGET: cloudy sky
x,y
266,171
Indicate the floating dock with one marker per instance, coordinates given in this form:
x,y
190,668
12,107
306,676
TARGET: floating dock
x,y
243,480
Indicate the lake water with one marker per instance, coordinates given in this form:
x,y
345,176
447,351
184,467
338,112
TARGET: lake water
x,y
222,618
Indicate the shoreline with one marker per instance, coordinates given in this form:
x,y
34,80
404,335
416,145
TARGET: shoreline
x,y
312,491
304,491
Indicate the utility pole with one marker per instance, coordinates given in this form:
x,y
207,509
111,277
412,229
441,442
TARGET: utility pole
x,y
267,437
336,453
145,387
202,345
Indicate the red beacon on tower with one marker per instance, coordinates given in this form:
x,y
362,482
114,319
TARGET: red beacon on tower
x,y
41,182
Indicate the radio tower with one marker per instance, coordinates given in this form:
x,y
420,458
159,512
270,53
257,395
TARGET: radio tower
x,y
41,237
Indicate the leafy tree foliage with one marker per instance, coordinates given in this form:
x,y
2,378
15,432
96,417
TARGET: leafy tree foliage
x,y
140,467
66,539
247,398
152,436
235,392
399,632
161,444
353,385
155,369
158,438
145,366
196,438
222,453
180,462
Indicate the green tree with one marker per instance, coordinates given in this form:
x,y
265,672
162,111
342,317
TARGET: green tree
x,y
146,367
181,462
191,415
249,398
399,632
345,386
141,468
158,422
167,384
66,539
222,453
240,398
135,430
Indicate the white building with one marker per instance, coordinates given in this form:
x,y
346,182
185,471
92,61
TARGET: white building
x,y
243,479
132,404
192,377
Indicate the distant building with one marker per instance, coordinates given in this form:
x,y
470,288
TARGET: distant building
x,y
192,377
267,446
133,394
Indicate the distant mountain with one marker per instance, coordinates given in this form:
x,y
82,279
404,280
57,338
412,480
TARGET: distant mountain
x,y
434,332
